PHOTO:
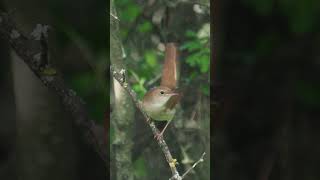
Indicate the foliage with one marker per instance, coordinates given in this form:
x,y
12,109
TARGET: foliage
x,y
199,53
140,166
138,87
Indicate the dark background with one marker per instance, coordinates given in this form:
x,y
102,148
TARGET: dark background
x,y
266,90
38,139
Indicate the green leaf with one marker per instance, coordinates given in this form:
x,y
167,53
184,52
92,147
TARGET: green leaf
x,y
140,168
130,13
145,27
191,46
139,90
192,59
205,90
204,64
151,58
191,34
193,75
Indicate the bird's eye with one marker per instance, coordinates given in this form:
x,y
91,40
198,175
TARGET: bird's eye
x,y
161,92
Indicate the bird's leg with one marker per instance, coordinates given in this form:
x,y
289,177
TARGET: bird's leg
x,y
157,136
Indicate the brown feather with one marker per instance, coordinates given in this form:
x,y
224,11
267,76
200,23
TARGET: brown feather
x,y
170,69
173,101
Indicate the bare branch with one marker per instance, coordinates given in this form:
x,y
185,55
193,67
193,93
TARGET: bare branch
x,y
31,51
194,165
115,17
155,79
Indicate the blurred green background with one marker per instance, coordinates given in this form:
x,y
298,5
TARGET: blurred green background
x,y
144,28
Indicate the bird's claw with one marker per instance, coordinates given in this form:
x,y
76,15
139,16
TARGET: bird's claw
x,y
158,136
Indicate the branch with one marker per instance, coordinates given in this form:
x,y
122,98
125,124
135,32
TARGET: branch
x,y
33,51
194,165
120,77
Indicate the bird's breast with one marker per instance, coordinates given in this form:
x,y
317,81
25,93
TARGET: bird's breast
x,y
158,112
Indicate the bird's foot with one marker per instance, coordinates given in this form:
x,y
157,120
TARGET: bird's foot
x,y
158,136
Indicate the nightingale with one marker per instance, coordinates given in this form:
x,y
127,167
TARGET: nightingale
x,y
160,102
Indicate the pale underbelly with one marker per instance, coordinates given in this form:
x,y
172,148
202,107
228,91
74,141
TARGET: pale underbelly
x,y
163,116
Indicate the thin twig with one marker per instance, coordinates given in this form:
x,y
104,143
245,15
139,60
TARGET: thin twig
x,y
155,79
194,165
115,17
193,114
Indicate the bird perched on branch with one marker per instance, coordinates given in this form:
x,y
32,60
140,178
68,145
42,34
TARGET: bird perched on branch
x,y
160,102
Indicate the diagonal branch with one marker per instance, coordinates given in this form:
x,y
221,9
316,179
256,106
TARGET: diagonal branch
x,y
120,77
31,51
194,165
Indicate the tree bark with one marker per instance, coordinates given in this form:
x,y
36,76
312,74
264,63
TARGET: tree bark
x,y
123,112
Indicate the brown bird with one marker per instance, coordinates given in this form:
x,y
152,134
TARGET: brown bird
x,y
160,102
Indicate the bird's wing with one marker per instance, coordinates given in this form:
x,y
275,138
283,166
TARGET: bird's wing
x,y
173,101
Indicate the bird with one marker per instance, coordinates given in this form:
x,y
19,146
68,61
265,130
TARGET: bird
x,y
160,102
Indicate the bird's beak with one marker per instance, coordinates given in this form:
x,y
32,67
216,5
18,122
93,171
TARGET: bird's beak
x,y
173,94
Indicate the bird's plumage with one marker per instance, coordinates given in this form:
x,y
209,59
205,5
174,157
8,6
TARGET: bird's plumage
x,y
170,70
160,102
